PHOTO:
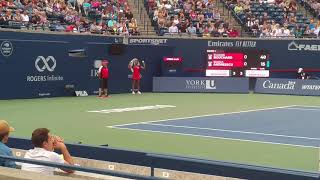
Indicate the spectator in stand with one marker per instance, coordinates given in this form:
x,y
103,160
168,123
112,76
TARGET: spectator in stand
x,y
5,130
216,15
96,28
192,30
44,146
255,28
17,16
311,25
111,22
293,7
250,22
176,20
298,32
129,15
133,27
317,29
206,31
221,29
173,29
233,32
238,9
25,17
193,15
287,31
11,4
123,30
18,4
86,6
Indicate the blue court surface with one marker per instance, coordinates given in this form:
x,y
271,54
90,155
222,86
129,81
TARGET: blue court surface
x,y
291,125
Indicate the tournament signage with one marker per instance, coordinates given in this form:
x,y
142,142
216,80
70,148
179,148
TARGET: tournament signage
x,y
288,86
200,84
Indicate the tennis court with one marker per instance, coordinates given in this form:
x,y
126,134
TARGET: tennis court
x,y
290,125
268,130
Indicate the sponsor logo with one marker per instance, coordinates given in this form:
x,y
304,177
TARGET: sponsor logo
x,y
118,40
96,65
290,85
81,93
210,84
147,41
44,94
6,48
200,84
311,87
247,44
43,63
293,46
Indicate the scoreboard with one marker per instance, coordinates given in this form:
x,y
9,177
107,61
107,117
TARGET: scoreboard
x,y
237,63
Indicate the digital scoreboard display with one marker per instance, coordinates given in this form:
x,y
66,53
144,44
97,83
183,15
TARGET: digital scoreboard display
x,y
239,63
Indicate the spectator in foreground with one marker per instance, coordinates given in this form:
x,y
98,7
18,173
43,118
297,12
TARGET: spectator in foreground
x,y
44,145
5,130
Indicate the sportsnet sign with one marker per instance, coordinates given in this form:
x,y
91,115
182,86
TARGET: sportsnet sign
x,y
143,41
294,46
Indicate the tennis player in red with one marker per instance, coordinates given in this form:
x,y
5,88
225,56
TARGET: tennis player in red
x,y
136,74
103,74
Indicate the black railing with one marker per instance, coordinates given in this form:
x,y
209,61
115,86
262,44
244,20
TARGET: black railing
x,y
79,168
177,163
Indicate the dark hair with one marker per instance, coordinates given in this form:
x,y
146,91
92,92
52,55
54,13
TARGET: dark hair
x,y
3,135
39,136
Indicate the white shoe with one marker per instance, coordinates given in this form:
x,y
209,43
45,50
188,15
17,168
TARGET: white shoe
x,y
133,92
139,92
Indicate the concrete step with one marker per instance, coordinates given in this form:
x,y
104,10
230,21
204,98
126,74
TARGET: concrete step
x,y
140,13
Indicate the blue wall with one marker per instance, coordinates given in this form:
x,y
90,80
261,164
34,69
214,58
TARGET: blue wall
x,y
18,70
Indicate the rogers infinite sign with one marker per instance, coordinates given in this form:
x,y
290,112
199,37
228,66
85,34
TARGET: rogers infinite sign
x,y
225,60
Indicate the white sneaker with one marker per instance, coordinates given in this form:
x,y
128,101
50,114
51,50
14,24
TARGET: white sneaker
x,y
139,92
133,92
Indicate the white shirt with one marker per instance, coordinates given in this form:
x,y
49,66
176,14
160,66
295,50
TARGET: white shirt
x,y
42,155
173,29
25,18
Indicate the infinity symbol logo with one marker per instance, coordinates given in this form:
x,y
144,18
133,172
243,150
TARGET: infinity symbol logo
x,y
45,63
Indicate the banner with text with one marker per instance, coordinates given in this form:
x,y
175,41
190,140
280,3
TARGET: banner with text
x,y
200,84
288,86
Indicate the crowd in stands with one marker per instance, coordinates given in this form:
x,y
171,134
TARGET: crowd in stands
x,y
273,18
313,6
193,17
260,18
95,16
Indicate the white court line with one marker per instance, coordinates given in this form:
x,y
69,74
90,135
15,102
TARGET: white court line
x,y
206,115
129,109
241,132
308,106
215,137
304,109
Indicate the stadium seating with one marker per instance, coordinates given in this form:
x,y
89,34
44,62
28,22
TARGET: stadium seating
x,y
89,16
277,19
313,7
193,18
